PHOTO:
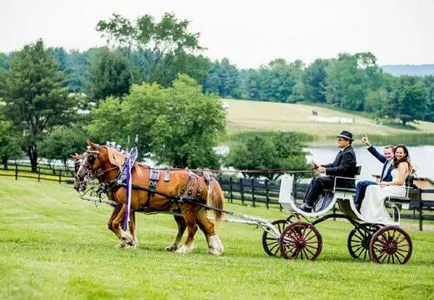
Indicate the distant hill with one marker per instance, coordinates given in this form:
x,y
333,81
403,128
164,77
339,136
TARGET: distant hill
x,y
412,70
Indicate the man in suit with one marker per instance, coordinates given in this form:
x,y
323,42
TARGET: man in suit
x,y
344,165
386,159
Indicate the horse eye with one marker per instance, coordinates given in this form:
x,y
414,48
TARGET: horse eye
x,y
91,159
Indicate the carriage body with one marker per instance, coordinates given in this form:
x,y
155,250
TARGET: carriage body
x,y
382,242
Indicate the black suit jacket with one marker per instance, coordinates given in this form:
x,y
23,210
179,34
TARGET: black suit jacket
x,y
344,164
385,176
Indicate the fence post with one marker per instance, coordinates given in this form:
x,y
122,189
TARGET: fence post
x,y
39,173
253,192
420,210
60,176
230,189
267,196
16,171
242,191
294,188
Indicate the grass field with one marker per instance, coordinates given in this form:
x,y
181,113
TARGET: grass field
x,y
262,116
55,246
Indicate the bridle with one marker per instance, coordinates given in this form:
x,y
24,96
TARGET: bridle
x,y
87,163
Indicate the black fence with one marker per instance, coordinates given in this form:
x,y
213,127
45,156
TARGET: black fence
x,y
24,170
253,191
250,190
245,190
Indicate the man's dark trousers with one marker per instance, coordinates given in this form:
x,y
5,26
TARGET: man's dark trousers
x,y
316,187
361,190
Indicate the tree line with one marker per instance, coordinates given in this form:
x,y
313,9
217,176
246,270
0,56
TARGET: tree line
x,y
152,81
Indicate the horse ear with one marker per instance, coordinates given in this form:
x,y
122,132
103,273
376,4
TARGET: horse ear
x,y
92,145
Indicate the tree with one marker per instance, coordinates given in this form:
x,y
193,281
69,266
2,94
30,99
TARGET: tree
x,y
349,78
177,126
62,142
223,79
178,62
314,80
152,40
413,103
10,143
110,75
35,100
275,151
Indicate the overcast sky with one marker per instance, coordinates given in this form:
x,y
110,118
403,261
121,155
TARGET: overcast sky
x,y
248,32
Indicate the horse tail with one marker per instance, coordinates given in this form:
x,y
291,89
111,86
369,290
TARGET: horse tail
x,y
216,197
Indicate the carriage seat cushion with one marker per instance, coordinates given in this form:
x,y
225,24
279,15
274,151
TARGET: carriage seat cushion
x,y
345,189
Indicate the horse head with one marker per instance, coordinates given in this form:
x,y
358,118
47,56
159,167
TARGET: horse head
x,y
101,162
87,164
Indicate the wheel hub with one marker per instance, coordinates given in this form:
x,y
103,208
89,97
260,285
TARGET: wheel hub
x,y
390,247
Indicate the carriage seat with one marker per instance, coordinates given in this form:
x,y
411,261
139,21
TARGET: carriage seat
x,y
403,202
337,187
337,193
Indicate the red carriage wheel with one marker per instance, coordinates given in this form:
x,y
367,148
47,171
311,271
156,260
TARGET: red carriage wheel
x,y
270,241
300,240
391,244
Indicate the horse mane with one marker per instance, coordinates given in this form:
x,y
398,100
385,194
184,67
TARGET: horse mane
x,y
115,157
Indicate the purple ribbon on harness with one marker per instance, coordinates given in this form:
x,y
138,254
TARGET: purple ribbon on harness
x,y
129,184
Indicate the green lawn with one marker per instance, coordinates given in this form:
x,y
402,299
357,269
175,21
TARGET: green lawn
x,y
245,115
55,246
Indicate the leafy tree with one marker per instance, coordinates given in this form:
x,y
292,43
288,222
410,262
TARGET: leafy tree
x,y
223,79
110,75
413,103
251,82
62,142
10,143
178,126
153,40
279,78
4,61
195,67
349,78
429,85
277,151
314,80
35,99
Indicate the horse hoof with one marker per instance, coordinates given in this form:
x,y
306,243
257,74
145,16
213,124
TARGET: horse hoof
x,y
184,249
171,248
215,252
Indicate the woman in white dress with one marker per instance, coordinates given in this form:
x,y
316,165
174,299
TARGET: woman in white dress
x,y
373,208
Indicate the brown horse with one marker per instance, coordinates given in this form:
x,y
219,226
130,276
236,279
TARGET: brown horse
x,y
185,195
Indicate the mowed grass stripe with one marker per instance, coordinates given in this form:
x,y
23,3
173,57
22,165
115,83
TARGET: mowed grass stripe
x,y
54,245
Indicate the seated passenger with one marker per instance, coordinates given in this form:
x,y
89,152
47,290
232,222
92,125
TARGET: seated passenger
x,y
373,208
344,165
386,159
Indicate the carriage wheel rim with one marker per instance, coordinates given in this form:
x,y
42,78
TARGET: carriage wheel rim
x,y
391,245
359,240
270,242
300,241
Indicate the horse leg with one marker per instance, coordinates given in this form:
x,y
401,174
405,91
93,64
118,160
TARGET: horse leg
x,y
181,229
124,237
110,222
215,246
191,229
132,227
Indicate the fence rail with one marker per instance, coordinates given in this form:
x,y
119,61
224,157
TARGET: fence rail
x,y
43,173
